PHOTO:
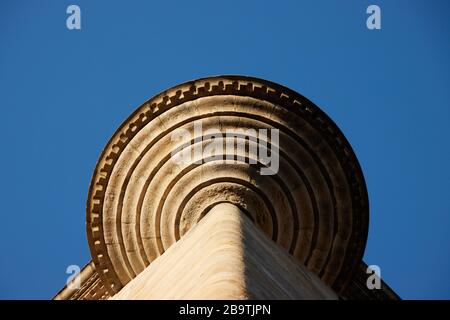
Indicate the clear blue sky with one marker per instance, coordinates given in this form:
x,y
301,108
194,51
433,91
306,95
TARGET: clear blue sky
x,y
63,93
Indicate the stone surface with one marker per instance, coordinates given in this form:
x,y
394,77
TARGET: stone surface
x,y
225,257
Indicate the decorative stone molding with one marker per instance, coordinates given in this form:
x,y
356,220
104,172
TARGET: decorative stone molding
x,y
140,202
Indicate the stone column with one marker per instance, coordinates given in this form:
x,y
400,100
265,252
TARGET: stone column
x,y
225,256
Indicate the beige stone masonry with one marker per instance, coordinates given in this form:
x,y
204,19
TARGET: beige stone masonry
x,y
225,257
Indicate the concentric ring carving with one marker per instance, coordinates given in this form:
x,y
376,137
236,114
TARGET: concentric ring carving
x,y
140,202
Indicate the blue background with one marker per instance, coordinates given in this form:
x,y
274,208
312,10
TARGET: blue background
x,y
63,93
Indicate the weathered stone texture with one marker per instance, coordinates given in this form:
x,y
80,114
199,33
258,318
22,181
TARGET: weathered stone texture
x,y
225,257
